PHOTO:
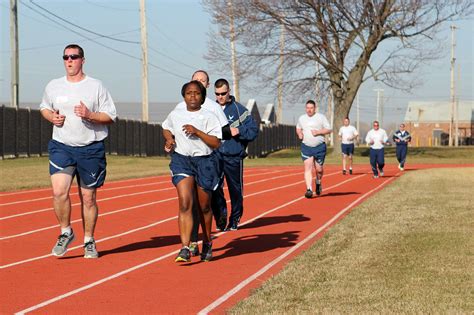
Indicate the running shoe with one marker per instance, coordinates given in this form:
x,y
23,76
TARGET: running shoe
x,y
308,194
62,243
319,189
231,227
381,173
402,169
221,223
206,254
376,176
350,171
90,251
343,172
184,255
194,249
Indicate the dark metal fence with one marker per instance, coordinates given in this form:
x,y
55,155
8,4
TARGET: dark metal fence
x,y
24,132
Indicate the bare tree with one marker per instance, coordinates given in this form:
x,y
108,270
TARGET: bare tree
x,y
352,41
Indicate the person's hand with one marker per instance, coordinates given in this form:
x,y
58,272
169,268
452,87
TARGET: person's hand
x,y
190,130
371,141
82,111
234,131
58,119
315,132
169,145
397,140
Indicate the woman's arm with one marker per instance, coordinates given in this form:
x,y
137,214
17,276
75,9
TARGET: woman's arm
x,y
211,141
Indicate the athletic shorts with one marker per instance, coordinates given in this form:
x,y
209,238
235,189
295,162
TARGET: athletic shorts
x,y
204,169
347,149
318,152
87,162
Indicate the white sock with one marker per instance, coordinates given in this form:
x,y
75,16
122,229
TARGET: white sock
x,y
318,181
67,230
309,188
87,239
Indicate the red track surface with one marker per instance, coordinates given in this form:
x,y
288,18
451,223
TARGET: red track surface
x,y
137,238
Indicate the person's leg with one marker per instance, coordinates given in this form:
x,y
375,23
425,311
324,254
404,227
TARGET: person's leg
x,y
343,159
185,189
351,154
398,152
233,171
381,160
61,184
373,161
308,172
403,156
219,206
204,199
195,211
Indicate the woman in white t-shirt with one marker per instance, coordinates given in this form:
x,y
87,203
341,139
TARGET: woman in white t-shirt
x,y
191,134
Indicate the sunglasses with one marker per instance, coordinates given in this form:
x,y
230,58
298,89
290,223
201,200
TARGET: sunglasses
x,y
73,57
222,94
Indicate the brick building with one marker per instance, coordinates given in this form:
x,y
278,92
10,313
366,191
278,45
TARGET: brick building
x,y
429,122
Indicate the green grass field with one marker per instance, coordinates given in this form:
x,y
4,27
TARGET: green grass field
x,y
408,249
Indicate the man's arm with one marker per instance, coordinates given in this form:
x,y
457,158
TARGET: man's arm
x,y
82,111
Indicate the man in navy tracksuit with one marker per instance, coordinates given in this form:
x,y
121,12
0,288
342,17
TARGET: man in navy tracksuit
x,y
231,154
402,138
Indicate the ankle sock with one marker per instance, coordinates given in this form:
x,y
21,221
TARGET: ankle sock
x,y
67,230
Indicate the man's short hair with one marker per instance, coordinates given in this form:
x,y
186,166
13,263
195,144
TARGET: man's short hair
x,y
311,102
220,83
207,75
74,46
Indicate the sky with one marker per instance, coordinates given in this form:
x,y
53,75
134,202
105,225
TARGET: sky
x,y
178,34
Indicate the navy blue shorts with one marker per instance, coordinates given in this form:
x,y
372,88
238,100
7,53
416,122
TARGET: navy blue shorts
x,y
204,169
318,152
88,162
347,149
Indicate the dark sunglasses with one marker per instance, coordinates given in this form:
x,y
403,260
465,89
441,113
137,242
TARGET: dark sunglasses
x,y
73,57
221,94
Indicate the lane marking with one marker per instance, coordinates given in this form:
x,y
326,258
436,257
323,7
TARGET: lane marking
x,y
247,281
126,271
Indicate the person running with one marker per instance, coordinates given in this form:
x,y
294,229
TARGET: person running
x,y
79,107
402,138
191,135
231,156
377,138
347,134
311,129
209,104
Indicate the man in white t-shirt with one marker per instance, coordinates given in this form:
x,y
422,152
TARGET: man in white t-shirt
x,y
79,107
311,129
377,138
347,134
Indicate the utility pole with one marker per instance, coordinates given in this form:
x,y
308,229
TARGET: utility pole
x,y
453,97
330,115
379,117
317,89
280,76
358,117
14,51
144,61
456,115
235,74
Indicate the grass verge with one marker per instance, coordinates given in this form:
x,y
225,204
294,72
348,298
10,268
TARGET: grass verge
x,y
408,249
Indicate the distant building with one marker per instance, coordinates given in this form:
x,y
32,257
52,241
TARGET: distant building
x,y
269,116
253,109
429,122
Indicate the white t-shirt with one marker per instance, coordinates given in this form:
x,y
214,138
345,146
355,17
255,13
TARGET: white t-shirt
x,y
316,122
62,95
203,119
211,106
347,133
378,136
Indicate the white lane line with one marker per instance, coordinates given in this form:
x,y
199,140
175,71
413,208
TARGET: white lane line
x,y
122,196
126,271
247,281
102,190
120,210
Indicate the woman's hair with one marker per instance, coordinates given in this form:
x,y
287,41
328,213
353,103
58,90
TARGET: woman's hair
x,y
201,88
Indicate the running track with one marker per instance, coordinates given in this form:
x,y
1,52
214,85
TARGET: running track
x,y
137,238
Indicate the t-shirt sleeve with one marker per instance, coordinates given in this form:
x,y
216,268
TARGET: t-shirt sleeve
x,y
46,102
106,103
168,124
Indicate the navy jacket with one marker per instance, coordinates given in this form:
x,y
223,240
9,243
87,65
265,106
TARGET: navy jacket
x,y
403,139
238,117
